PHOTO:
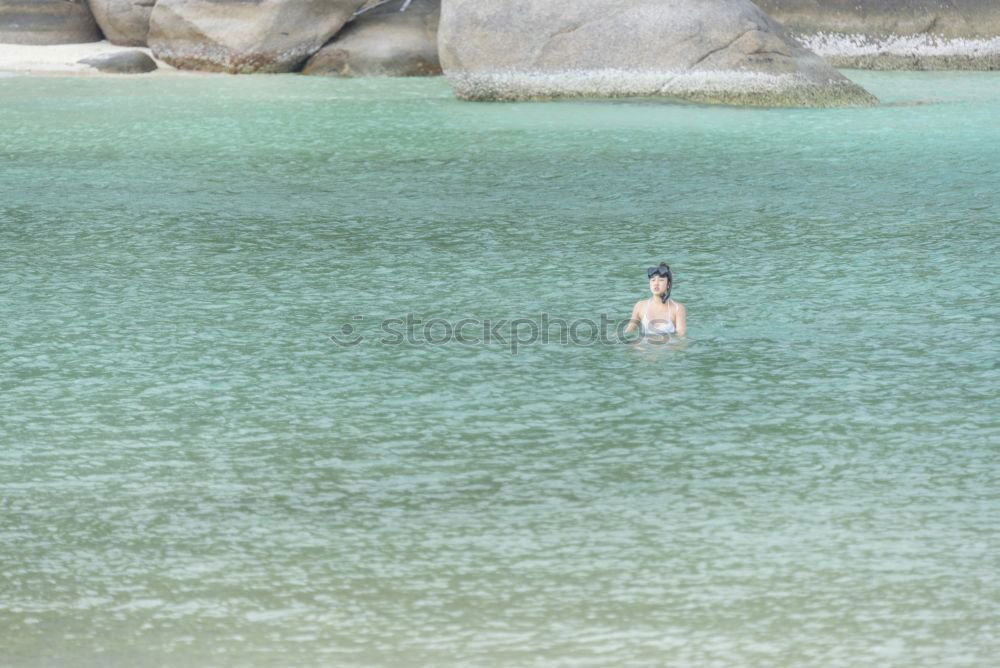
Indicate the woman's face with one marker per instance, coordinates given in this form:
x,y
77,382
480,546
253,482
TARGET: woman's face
x,y
658,284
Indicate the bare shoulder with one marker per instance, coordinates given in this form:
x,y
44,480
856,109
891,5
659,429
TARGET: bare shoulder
x,y
679,307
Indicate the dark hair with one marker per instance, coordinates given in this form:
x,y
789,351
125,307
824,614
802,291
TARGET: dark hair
x,y
663,270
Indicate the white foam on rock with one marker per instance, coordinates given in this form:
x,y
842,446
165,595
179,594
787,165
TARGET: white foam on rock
x,y
613,82
842,45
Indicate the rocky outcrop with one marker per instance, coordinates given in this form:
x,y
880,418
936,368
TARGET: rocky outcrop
x,y
123,22
715,51
396,39
243,36
122,62
895,34
47,22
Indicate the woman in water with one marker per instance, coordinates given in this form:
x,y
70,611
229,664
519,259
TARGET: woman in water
x,y
659,315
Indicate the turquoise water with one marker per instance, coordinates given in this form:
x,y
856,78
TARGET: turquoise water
x,y
193,471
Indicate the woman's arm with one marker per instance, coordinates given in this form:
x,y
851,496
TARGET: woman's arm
x,y
680,319
633,320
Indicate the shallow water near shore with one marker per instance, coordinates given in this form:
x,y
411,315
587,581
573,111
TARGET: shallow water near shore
x,y
194,472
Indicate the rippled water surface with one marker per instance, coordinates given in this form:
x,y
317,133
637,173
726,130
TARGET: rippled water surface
x,y
194,472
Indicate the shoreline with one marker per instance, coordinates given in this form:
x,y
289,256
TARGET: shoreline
x,y
841,51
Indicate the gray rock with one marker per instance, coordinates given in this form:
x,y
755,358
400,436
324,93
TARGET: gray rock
x,y
47,22
122,62
895,34
243,36
123,22
384,42
714,51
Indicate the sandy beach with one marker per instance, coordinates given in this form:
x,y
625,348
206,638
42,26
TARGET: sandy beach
x,y
62,58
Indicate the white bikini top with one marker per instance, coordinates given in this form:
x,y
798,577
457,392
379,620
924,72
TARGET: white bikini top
x,y
659,327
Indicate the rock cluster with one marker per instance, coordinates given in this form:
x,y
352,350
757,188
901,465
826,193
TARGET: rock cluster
x,y
727,51
895,34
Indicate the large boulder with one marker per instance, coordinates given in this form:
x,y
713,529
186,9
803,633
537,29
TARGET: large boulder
x,y
47,22
714,51
895,34
243,36
396,39
124,22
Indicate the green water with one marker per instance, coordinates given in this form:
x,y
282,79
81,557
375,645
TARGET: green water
x,y
193,472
